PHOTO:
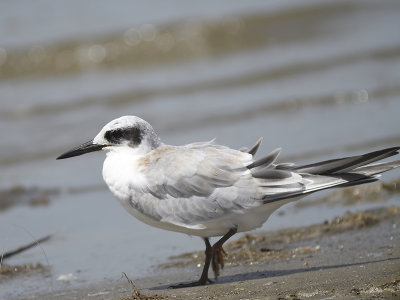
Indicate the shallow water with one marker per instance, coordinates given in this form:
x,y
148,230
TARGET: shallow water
x,y
318,79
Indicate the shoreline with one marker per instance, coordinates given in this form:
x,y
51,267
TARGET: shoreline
x,y
359,262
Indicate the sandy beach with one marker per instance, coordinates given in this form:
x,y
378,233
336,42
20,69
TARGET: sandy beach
x,y
356,256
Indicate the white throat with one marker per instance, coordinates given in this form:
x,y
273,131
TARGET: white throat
x,y
122,172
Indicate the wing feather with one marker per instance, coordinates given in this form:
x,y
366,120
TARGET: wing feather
x,y
199,182
190,185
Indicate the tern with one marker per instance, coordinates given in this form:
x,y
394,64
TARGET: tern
x,y
209,190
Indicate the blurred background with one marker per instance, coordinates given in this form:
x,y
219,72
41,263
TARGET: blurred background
x,y
320,79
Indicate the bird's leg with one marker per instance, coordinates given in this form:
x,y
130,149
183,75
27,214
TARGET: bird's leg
x,y
210,253
204,274
218,252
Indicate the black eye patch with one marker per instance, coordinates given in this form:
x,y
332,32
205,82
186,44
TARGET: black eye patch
x,y
131,134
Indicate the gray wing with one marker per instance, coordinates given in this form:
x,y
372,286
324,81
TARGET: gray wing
x,y
194,170
200,182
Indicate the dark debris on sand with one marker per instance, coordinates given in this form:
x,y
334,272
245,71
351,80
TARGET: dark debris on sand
x,y
10,271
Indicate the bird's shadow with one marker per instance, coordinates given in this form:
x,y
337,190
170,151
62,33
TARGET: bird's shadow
x,y
276,273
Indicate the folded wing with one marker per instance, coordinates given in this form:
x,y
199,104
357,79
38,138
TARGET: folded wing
x,y
196,183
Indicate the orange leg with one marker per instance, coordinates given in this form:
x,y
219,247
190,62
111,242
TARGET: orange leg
x,y
218,260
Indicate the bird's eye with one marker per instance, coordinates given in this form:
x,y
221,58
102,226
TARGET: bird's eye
x,y
117,134
130,134
114,136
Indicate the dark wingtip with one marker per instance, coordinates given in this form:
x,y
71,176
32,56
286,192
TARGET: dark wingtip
x,y
254,149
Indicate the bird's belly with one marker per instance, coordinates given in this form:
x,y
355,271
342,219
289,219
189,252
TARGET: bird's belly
x,y
246,221
249,220
132,204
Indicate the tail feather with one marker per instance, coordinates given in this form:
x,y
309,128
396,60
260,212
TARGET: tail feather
x,y
346,164
371,170
342,172
366,179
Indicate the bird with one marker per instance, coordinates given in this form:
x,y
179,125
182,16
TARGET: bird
x,y
209,190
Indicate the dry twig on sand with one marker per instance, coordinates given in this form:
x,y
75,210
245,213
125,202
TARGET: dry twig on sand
x,y
25,247
137,295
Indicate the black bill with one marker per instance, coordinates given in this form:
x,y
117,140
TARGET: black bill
x,y
82,149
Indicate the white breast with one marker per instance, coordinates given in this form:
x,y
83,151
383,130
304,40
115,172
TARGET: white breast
x,y
122,173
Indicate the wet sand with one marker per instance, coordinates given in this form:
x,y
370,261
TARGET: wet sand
x,y
354,256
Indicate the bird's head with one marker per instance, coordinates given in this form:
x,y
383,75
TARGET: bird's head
x,y
127,131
